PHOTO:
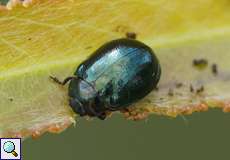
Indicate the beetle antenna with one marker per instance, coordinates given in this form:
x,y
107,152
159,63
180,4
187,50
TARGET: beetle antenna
x,y
55,79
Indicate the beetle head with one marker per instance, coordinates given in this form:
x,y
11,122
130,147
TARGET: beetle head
x,y
82,98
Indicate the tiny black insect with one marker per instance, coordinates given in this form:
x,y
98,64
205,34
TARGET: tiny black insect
x,y
117,74
200,63
131,35
214,69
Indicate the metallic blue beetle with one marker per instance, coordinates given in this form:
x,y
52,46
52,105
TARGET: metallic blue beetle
x,y
118,74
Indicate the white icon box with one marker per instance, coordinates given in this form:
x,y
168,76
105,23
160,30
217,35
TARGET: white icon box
x,y
10,149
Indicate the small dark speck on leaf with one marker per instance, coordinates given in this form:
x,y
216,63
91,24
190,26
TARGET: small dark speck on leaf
x,y
214,69
11,99
191,88
88,47
29,39
201,89
179,84
170,92
200,63
131,35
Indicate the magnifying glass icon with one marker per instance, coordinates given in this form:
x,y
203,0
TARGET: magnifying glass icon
x,y
9,147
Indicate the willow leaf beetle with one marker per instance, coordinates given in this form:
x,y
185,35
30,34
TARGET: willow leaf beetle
x,y
116,75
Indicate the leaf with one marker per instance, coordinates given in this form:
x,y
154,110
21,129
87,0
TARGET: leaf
x,y
52,37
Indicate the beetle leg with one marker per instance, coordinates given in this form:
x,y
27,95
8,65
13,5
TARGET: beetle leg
x,y
92,111
102,116
62,82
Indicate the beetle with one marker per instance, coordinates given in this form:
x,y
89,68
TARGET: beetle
x,y
115,76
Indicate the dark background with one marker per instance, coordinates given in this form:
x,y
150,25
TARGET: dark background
x,y
200,136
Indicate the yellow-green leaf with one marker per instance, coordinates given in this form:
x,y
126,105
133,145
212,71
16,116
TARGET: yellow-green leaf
x,y
52,37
